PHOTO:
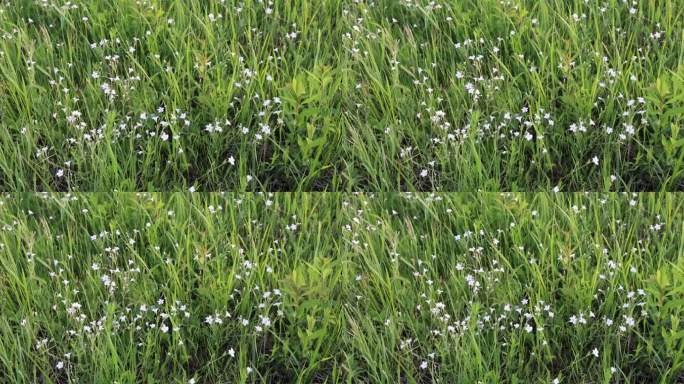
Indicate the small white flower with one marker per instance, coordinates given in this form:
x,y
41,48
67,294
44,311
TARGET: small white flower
x,y
59,173
231,352
423,365
231,160
595,160
595,352
629,320
59,365
424,173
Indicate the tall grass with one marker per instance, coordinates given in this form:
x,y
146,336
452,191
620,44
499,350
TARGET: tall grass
x,y
338,95
214,288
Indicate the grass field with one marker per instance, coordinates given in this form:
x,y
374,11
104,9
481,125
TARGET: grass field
x,y
437,129
341,95
313,288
